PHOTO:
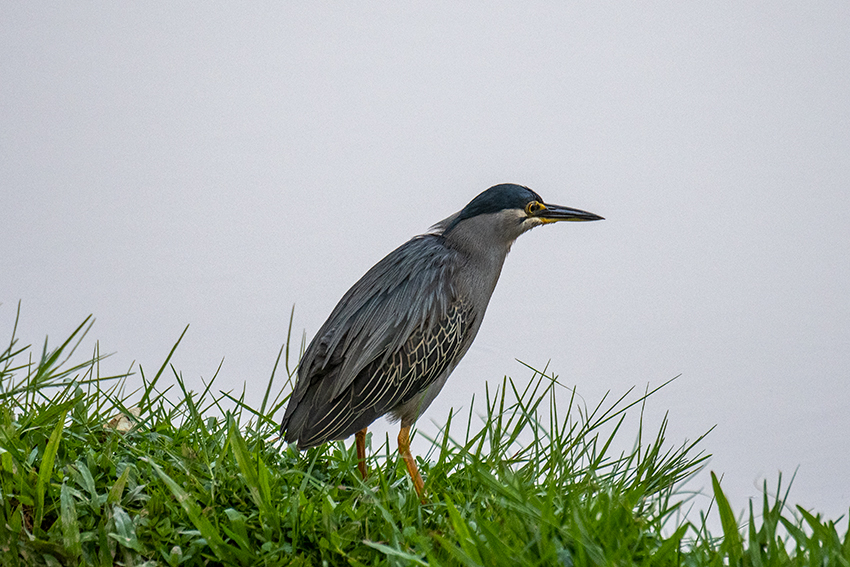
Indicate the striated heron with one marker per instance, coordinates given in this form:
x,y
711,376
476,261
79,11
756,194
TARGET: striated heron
x,y
394,338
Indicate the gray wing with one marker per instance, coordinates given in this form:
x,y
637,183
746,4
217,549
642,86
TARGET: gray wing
x,y
392,334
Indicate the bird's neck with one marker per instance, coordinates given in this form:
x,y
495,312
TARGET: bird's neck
x,y
482,253
480,240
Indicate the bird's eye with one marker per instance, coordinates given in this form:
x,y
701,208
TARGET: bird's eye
x,y
533,207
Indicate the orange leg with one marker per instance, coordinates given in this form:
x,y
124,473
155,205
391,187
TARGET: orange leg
x,y
360,439
410,462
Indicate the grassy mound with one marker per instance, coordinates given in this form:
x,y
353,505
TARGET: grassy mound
x,y
93,475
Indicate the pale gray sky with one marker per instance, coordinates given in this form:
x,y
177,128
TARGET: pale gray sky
x,y
164,164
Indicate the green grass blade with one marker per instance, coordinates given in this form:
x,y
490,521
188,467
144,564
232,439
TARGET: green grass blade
x,y
409,559
732,544
118,488
45,471
246,466
150,386
68,516
125,531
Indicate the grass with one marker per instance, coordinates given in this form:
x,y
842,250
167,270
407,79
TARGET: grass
x,y
94,474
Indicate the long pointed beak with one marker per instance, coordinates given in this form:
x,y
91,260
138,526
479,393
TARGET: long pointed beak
x,y
555,213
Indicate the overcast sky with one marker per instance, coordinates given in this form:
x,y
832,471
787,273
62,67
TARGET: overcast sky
x,y
164,164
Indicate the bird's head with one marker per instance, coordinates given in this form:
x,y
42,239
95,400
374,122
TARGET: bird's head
x,y
508,210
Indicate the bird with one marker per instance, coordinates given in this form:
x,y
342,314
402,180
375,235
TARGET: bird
x,y
394,338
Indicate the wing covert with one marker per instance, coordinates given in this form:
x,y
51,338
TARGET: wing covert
x,y
428,353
